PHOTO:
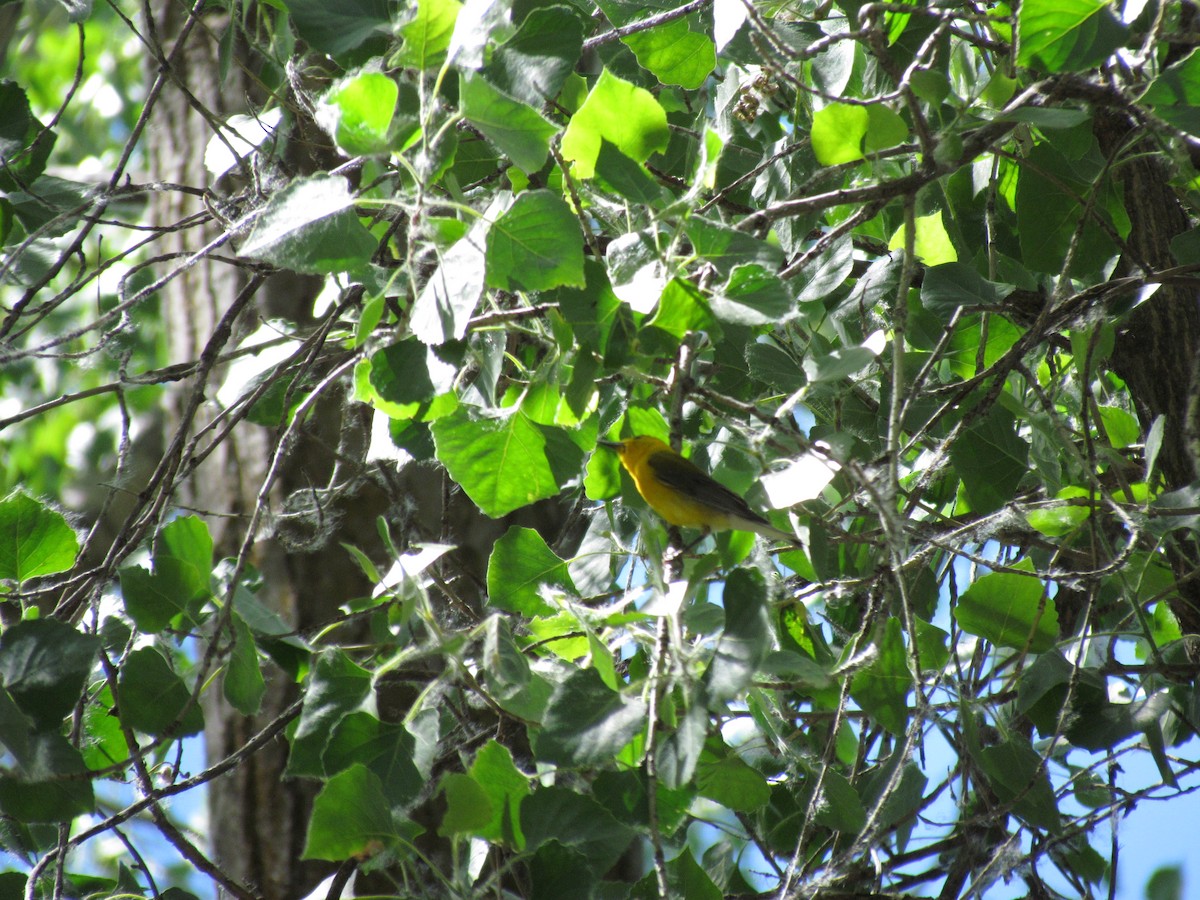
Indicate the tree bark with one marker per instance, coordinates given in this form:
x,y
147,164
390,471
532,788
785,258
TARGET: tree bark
x,y
1157,350
257,818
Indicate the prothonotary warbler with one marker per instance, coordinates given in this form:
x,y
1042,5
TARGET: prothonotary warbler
x,y
683,494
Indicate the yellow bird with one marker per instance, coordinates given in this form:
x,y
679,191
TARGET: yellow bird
x,y
685,495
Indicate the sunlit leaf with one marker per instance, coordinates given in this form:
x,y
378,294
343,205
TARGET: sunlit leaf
x,y
363,107
1066,35
535,245
35,540
503,460
621,113
350,817
674,53
427,36
1010,610
534,63
837,133
518,130
520,569
931,243
310,227
506,787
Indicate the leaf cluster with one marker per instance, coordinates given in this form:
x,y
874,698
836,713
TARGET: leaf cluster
x,y
876,265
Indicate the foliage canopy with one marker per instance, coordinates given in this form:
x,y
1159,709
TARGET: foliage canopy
x,y
919,279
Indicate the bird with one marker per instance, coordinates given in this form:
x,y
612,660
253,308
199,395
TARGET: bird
x,y
684,494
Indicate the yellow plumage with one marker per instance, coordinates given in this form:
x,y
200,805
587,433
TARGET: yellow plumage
x,y
683,494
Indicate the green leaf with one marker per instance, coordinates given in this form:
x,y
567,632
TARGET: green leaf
x,y
350,817
1175,96
506,787
1001,335
1049,213
592,311
557,871
904,797
515,128
1067,35
243,685
636,270
991,459
746,640
503,460
153,699
727,248
336,28
932,244
533,64
841,808
409,372
427,36
180,581
678,753
752,296
931,646
25,144
1056,521
468,808
445,304
1016,773
626,177
561,634
881,689
837,133
686,880
576,821
828,271
621,113
521,569
44,665
1010,610
732,783
842,362
386,748
682,309
310,227
336,688
1165,883
774,367
950,286
535,245
674,53
363,106
34,539
586,724
1120,426
50,785
1046,118
1091,721
884,129
17,729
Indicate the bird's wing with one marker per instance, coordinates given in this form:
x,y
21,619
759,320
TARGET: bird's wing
x,y
690,480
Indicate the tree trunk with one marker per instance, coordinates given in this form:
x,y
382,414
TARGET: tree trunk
x,y
1157,351
257,818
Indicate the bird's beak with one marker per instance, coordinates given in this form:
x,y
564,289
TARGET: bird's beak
x,y
611,445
